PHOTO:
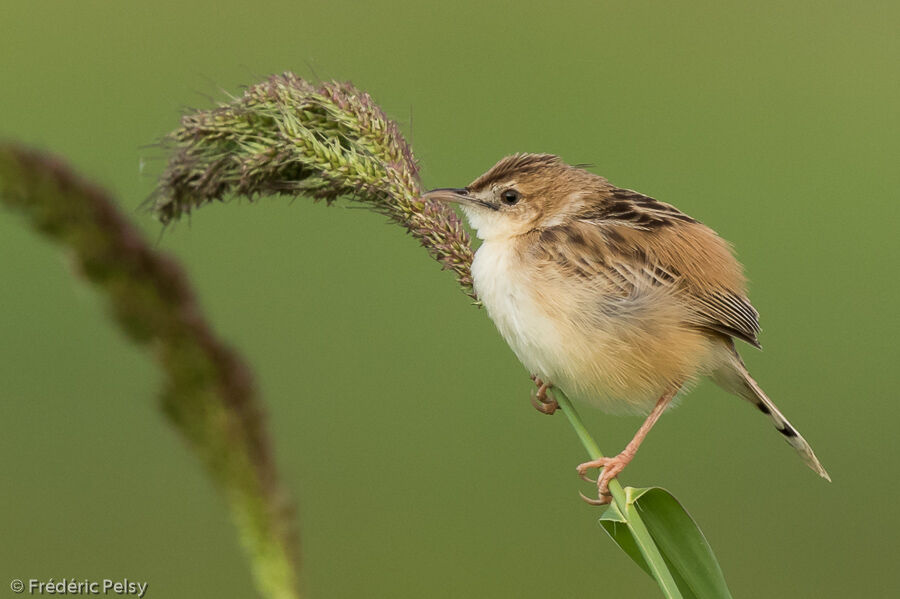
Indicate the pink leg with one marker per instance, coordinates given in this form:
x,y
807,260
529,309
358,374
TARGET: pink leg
x,y
613,466
540,400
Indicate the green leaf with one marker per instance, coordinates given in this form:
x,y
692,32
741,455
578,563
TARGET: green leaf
x,y
680,541
614,523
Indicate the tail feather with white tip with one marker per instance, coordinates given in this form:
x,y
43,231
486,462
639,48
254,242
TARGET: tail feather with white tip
x,y
734,377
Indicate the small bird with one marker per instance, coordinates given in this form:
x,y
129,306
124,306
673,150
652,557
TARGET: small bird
x,y
617,299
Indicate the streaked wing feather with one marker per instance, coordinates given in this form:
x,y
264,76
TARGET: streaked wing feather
x,y
730,314
630,258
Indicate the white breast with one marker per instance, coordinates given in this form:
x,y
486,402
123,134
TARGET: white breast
x,y
507,293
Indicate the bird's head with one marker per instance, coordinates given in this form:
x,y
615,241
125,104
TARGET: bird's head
x,y
521,193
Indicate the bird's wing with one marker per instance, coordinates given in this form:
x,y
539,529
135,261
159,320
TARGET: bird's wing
x,y
639,243
729,313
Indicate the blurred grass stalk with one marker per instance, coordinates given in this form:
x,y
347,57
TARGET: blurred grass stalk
x,y
285,136
209,395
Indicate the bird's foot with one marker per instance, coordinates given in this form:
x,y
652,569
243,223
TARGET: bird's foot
x,y
540,399
611,468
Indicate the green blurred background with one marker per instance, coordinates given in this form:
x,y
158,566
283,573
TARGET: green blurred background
x,y
401,419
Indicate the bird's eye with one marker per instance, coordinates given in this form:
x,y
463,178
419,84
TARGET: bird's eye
x,y
510,197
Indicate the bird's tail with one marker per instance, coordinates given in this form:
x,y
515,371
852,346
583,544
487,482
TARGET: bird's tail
x,y
735,378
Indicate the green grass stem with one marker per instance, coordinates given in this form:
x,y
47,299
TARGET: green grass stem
x,y
647,546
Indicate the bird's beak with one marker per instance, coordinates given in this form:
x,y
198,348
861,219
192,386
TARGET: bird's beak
x,y
457,195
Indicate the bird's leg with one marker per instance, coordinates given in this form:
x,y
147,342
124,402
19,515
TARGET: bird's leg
x,y
540,400
613,466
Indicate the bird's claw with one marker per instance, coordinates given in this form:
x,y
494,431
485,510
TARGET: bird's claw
x,y
543,406
611,468
602,500
542,402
